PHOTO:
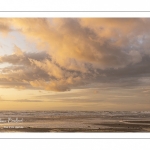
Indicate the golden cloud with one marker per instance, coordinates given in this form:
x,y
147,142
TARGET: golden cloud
x,y
74,51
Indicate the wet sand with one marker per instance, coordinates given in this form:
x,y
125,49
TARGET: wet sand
x,y
128,129
78,122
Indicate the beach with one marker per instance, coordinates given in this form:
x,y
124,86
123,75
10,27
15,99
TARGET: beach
x,y
74,121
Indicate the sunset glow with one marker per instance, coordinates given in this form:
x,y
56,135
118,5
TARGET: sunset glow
x,y
75,64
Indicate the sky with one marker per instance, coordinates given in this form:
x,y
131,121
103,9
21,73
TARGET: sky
x,y
75,64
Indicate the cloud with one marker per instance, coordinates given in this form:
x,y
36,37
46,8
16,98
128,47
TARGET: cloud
x,y
78,52
78,40
17,51
4,27
22,100
36,70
